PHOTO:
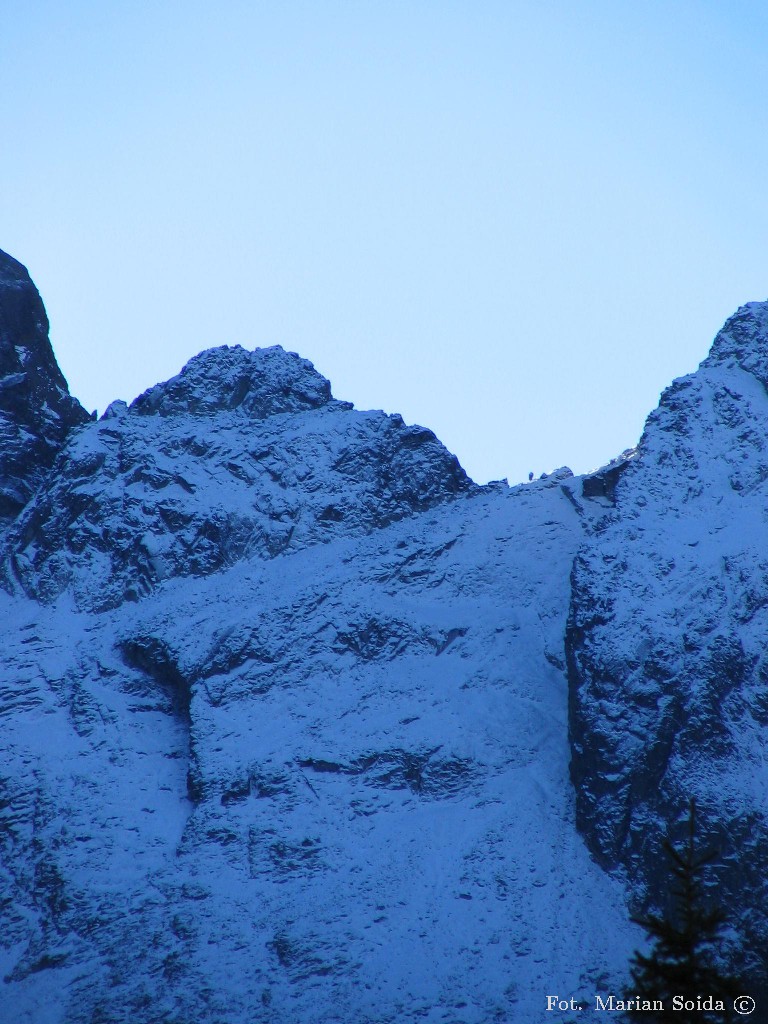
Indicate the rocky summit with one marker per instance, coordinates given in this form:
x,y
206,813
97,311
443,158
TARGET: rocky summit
x,y
36,409
301,725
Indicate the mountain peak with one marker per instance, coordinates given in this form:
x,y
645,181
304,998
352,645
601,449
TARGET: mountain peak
x,y
24,343
261,383
11,270
743,339
36,409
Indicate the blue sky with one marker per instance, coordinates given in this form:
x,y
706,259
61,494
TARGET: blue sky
x,y
512,222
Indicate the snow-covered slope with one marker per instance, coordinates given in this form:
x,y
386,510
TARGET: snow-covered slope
x,y
332,786
285,707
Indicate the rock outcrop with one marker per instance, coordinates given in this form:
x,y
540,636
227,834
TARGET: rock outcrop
x,y
37,412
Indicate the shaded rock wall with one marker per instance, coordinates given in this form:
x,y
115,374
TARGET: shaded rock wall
x,y
668,632
37,412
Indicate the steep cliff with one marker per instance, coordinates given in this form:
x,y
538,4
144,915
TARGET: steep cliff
x,y
36,410
668,632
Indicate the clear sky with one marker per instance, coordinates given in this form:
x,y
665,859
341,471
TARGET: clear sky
x,y
513,222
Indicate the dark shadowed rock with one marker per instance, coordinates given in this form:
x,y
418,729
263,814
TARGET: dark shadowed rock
x,y
36,410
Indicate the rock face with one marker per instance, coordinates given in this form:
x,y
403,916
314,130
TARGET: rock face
x,y
668,632
36,410
293,711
